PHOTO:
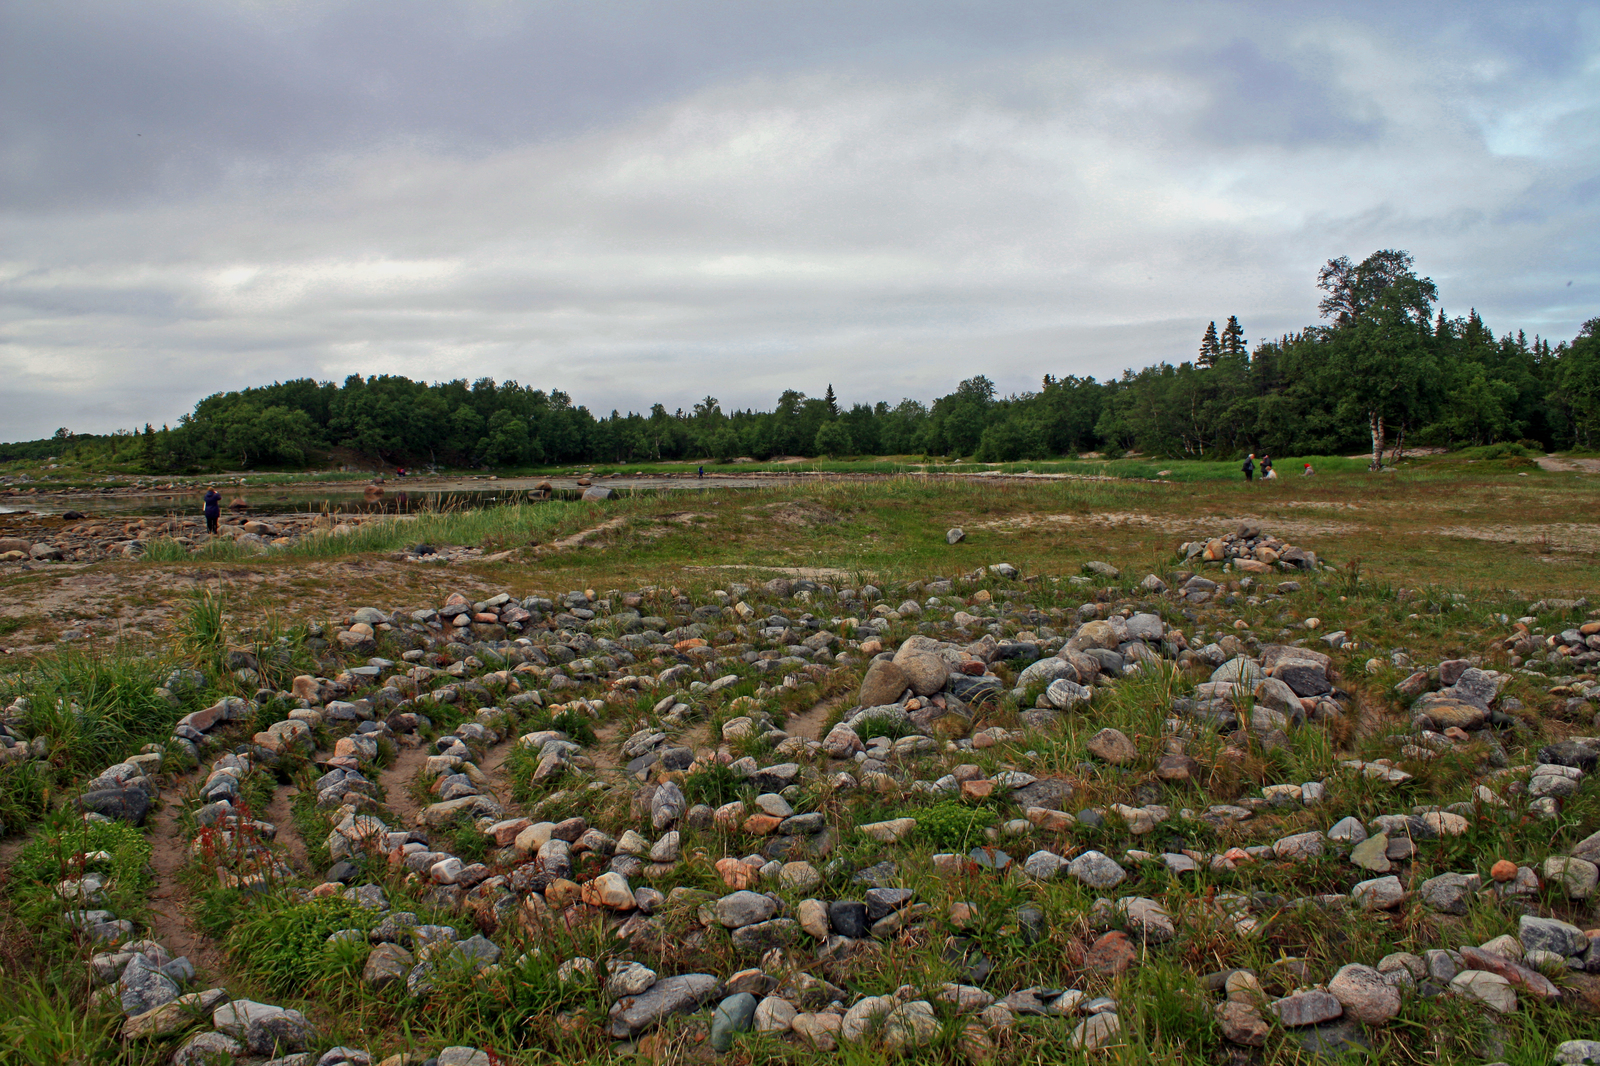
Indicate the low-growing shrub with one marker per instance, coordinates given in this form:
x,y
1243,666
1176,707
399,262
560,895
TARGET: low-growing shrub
x,y
1504,450
712,785
284,942
464,840
953,826
57,853
576,725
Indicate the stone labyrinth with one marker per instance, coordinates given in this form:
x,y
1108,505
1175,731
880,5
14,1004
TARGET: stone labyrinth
x,y
963,813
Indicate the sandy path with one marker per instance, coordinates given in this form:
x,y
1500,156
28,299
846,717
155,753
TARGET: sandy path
x,y
809,723
396,785
494,768
1558,464
605,751
288,837
170,899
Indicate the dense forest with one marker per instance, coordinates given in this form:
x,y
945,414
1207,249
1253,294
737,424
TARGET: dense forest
x,y
1384,368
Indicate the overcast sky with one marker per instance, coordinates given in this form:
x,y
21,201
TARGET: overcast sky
x,y
642,202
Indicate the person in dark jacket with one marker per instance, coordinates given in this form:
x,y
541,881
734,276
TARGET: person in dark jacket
x,y
1249,467
213,508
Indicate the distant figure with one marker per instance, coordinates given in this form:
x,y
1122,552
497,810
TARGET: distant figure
x,y
1266,466
1249,468
701,472
1307,472
213,501
401,472
1270,475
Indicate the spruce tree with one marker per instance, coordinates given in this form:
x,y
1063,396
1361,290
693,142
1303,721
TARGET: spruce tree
x,y
1233,337
1210,347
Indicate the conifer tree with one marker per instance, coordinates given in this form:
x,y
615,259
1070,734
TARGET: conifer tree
x,y
1233,337
1210,347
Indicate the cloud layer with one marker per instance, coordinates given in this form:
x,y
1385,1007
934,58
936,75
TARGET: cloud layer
x,y
641,203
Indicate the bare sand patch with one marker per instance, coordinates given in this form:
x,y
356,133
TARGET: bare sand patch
x,y
1195,526
815,573
1553,536
1562,465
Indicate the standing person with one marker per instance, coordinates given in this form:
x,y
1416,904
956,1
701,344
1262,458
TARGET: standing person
x,y
1266,466
701,472
1249,468
213,502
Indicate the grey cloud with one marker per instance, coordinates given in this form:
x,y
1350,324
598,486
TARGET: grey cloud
x,y
1256,98
738,199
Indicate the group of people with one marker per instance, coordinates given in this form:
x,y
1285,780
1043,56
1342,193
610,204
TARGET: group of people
x,y
1267,473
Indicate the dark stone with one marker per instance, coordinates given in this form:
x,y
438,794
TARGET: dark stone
x,y
1571,753
1335,1039
1267,902
976,966
1147,793
342,872
762,937
1091,819
971,689
848,917
878,875
1110,662
125,804
802,824
1052,793
676,758
1218,981
881,902
1031,923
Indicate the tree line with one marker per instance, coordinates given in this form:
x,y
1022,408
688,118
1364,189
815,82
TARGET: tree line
x,y
1384,368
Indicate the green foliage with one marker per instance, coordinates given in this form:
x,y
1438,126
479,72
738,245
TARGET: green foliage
x,y
23,790
464,840
66,847
578,726
953,826
57,850
95,707
712,785
284,942
1378,366
42,1024
1495,451
833,439
201,630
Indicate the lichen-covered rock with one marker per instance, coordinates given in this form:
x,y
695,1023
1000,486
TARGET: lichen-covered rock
x,y
632,1015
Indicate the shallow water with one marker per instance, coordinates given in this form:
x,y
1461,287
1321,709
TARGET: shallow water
x,y
278,503
399,497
